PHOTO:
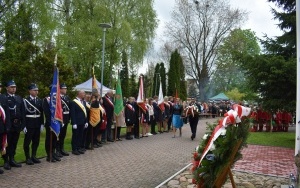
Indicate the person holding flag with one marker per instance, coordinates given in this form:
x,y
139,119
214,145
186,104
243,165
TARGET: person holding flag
x,y
50,143
118,110
65,104
95,117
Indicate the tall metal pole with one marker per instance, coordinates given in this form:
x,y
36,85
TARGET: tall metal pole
x,y
297,144
102,67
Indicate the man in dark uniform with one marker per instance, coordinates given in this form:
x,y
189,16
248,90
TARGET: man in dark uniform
x,y
193,113
16,110
130,117
65,100
109,109
4,123
49,147
79,121
34,123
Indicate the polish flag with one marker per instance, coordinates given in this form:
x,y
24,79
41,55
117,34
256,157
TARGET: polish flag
x,y
140,98
161,99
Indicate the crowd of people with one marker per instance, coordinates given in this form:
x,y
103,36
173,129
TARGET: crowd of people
x,y
91,117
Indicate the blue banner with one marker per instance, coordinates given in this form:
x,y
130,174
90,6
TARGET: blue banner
x,y
55,105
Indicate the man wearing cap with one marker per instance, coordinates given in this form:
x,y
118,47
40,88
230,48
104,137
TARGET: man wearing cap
x,y
4,123
34,124
16,111
65,103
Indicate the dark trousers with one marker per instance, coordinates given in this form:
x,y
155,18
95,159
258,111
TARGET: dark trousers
x,y
170,122
136,129
77,136
193,125
152,123
62,136
118,132
12,142
48,139
32,135
92,133
106,135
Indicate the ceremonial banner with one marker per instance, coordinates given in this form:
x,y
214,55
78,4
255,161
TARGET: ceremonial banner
x,y
94,112
55,104
140,98
118,99
161,99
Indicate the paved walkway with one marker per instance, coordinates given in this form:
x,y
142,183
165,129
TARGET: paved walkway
x,y
138,163
267,160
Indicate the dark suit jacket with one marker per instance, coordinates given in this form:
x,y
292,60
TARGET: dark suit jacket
x,y
29,110
17,111
78,117
47,112
109,109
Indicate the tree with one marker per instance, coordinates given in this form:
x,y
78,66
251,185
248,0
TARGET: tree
x,y
274,79
229,72
133,24
273,75
163,78
199,30
176,76
124,75
285,44
156,80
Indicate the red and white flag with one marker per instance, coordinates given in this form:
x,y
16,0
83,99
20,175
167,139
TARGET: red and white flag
x,y
140,98
160,101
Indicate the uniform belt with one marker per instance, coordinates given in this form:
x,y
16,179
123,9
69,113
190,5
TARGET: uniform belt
x,y
65,112
33,116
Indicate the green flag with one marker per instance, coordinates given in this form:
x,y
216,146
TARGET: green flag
x,y
118,99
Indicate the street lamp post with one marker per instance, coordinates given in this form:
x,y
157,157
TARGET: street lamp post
x,y
104,26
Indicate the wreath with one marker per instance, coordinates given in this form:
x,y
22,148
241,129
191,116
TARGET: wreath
x,y
213,154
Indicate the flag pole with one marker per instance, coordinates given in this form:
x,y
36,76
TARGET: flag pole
x,y
297,140
116,117
51,135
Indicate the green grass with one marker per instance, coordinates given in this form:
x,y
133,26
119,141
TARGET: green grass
x,y
20,156
279,139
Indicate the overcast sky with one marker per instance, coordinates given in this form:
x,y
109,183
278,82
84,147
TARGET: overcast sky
x,y
260,19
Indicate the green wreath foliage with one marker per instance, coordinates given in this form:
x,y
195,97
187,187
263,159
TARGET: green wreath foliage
x,y
216,160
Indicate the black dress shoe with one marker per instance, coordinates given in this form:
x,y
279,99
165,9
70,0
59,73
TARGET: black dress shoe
x,y
80,151
99,144
58,154
95,146
83,149
110,141
13,163
75,152
6,166
1,171
88,148
154,133
55,157
29,162
64,153
52,160
35,160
